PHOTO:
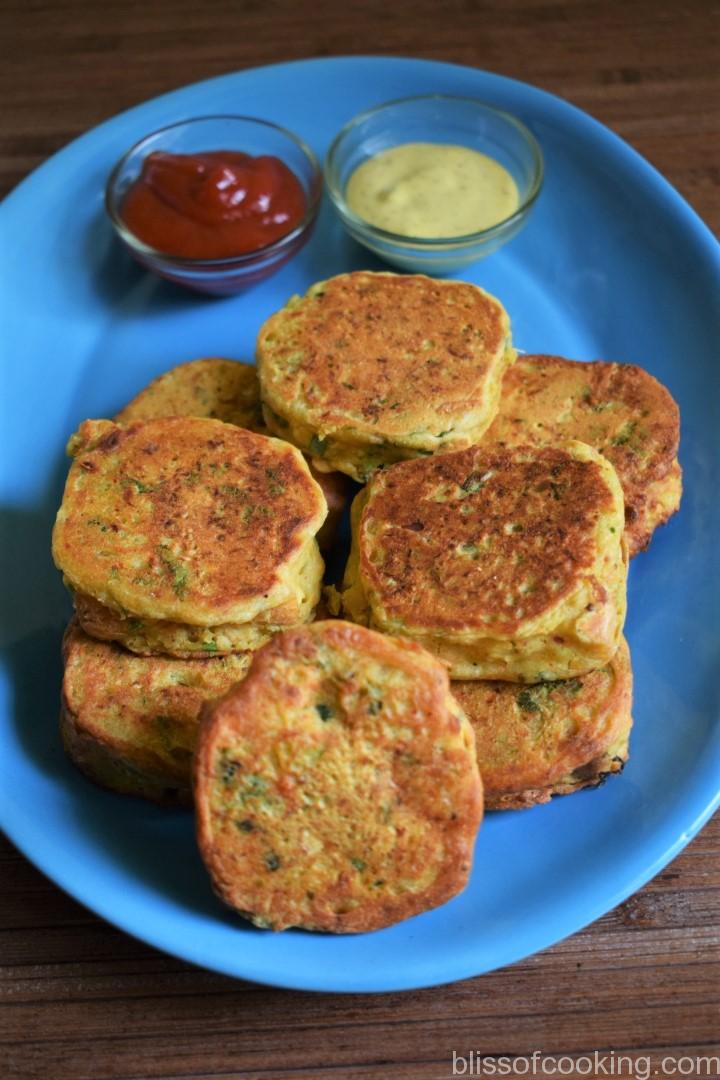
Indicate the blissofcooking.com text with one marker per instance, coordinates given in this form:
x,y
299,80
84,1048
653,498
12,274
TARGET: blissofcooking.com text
x,y
596,1064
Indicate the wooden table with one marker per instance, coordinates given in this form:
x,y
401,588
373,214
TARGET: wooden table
x,y
82,1000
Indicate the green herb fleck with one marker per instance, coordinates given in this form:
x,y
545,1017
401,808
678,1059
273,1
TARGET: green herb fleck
x,y
359,864
325,712
98,524
374,707
209,647
246,825
178,572
140,487
527,702
272,861
227,770
276,487
625,434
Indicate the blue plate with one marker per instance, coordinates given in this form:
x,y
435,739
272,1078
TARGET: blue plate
x,y
613,264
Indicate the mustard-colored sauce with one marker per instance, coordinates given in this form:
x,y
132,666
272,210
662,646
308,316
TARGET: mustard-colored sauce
x,y
432,191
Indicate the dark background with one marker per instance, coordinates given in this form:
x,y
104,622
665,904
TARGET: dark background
x,y
82,1000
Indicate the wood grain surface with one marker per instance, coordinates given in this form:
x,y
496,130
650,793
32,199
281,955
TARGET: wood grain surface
x,y
80,1000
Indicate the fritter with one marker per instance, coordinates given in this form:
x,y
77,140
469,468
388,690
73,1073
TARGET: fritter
x,y
371,368
620,409
337,786
186,535
552,738
506,562
227,390
212,386
130,723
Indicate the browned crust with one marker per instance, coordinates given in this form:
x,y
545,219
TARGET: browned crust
x,y
598,772
536,507
115,771
245,710
221,511
213,387
227,390
530,738
384,353
640,437
131,723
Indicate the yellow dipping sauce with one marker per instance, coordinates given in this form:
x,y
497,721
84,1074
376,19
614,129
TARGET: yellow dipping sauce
x,y
432,191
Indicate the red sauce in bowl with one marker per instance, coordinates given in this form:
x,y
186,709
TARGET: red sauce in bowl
x,y
212,205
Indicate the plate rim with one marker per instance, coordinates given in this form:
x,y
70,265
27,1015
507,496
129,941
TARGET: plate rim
x,y
23,834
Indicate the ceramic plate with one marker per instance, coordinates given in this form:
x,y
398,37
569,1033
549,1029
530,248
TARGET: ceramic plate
x,y
613,264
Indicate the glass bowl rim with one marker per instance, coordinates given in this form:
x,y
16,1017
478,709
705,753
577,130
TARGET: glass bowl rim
x,y
228,261
431,243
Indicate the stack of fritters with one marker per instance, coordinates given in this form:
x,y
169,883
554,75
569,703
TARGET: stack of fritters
x,y
337,770
184,535
181,538
509,563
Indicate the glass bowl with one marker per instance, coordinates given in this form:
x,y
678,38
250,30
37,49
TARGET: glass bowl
x,y
244,133
435,118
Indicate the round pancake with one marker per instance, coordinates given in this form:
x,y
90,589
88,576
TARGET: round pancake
x,y
189,521
620,409
371,368
551,738
212,387
227,390
130,723
337,787
507,562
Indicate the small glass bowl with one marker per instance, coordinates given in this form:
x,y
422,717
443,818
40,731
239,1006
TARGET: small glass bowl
x,y
244,133
435,118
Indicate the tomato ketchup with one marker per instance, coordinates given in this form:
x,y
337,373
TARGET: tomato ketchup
x,y
212,205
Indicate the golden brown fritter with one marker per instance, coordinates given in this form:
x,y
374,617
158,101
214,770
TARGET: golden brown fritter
x,y
337,787
130,723
372,368
227,390
193,523
508,563
213,387
551,738
620,409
